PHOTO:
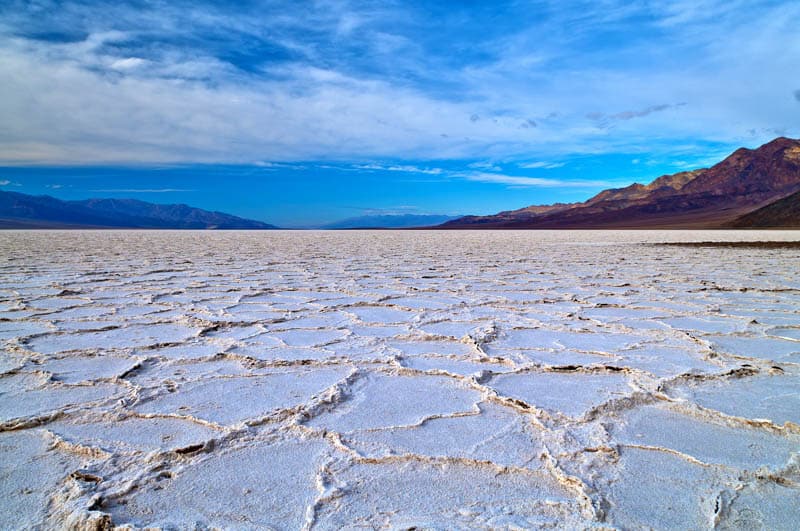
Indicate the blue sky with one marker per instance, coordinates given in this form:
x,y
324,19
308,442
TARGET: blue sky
x,y
298,113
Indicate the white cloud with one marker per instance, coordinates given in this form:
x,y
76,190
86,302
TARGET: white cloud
x,y
128,63
94,100
4,182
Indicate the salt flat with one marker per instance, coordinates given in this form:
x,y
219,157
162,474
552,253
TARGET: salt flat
x,y
405,379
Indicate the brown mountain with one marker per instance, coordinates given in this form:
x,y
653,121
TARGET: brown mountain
x,y
745,181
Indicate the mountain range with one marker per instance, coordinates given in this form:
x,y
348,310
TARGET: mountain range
x,y
750,188
22,211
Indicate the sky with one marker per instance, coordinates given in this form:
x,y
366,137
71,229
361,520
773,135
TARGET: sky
x,y
301,113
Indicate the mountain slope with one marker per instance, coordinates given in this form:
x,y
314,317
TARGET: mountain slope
x,y
783,213
707,198
28,211
390,221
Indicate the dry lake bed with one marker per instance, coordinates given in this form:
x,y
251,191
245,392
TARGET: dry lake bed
x,y
328,380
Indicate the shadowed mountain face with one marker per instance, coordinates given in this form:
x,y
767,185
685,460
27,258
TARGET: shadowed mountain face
x,y
708,198
783,213
28,211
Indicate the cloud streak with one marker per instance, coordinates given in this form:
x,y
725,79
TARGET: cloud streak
x,y
534,182
404,168
541,165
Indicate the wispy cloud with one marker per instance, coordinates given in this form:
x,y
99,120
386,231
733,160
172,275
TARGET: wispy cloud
x,y
405,168
4,182
606,120
541,165
485,165
537,182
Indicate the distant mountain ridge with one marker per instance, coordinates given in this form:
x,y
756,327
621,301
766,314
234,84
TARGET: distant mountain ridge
x,y
390,221
720,196
28,211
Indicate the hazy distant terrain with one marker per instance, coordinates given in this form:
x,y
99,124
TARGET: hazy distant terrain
x,y
22,211
398,379
390,221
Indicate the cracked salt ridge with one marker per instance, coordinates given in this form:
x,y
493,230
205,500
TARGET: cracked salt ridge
x,y
574,462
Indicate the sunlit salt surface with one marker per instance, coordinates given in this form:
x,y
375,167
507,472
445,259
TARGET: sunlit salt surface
x,y
327,380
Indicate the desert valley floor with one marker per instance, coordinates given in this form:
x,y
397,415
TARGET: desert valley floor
x,y
377,379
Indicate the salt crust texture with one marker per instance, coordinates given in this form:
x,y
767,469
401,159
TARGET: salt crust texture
x,y
299,380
